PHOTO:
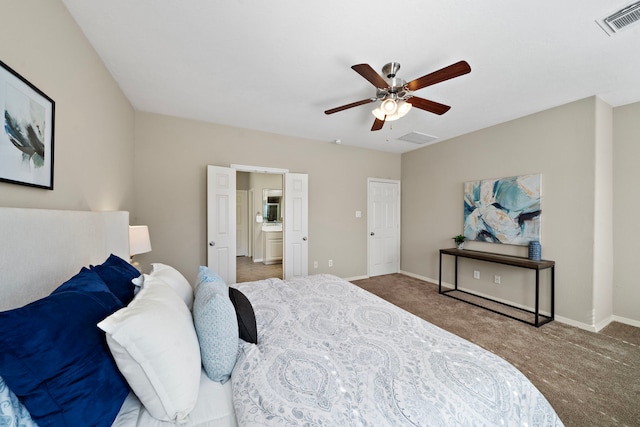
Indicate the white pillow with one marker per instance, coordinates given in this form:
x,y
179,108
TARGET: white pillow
x,y
175,279
155,346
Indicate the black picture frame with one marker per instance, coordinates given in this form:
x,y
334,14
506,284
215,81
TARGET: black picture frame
x,y
27,133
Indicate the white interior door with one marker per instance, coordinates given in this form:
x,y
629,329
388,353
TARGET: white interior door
x,y
242,224
383,226
296,225
251,226
221,222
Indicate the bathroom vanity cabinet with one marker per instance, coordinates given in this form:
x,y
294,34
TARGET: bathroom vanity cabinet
x,y
272,247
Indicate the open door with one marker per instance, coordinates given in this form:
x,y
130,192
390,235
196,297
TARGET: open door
x,y
221,222
296,225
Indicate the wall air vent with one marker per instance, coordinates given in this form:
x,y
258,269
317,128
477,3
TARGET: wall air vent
x,y
418,138
621,19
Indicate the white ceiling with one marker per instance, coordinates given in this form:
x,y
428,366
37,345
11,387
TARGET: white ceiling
x,y
277,65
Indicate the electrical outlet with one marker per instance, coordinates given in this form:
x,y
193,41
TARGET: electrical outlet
x,y
496,279
330,263
476,274
315,264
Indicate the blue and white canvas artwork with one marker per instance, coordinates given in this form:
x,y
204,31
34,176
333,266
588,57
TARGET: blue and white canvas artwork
x,y
26,132
503,210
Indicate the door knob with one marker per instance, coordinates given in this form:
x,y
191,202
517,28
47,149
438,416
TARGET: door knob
x,y
373,234
212,243
304,238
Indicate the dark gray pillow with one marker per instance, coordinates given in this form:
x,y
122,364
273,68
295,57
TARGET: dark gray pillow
x,y
245,315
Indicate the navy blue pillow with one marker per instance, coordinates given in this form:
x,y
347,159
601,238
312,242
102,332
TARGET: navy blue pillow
x,y
56,360
247,328
117,274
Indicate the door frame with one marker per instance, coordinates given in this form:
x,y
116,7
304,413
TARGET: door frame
x,y
253,208
250,208
242,225
285,176
259,169
369,216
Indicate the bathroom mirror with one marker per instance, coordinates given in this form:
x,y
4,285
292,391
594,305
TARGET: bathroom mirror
x,y
271,205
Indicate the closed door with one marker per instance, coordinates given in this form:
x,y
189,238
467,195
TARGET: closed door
x,y
383,226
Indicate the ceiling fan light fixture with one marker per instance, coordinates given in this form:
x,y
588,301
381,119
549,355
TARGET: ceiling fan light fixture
x,y
401,111
402,108
388,106
379,114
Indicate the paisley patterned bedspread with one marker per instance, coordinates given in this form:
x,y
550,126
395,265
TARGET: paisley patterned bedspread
x,y
332,354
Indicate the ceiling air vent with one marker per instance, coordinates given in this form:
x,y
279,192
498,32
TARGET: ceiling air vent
x,y
418,138
621,19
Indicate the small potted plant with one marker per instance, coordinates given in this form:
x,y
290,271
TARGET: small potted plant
x,y
459,239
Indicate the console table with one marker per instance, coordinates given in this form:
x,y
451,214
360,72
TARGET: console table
x,y
515,261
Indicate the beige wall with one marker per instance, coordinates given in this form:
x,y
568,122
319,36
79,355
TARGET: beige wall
x,y
570,145
93,141
170,185
626,178
558,143
603,216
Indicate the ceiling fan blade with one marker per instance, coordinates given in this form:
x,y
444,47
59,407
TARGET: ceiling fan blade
x,y
430,106
370,74
446,73
377,124
347,106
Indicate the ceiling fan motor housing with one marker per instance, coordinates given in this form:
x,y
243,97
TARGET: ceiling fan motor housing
x,y
391,69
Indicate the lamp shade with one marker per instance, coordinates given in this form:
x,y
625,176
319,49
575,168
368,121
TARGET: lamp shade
x,y
139,241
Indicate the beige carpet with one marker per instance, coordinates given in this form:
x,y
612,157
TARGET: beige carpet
x,y
591,379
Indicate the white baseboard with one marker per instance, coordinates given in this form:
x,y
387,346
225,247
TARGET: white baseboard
x,y
626,321
601,325
417,276
575,323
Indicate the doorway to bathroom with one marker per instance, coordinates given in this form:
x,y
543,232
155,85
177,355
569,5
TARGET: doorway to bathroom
x,y
259,218
222,222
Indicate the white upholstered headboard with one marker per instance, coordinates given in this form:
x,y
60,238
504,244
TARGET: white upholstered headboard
x,y
41,248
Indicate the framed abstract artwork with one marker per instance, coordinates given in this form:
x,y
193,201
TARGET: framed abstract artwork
x,y
503,210
26,137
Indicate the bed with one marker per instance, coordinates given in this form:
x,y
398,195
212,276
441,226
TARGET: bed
x,y
325,352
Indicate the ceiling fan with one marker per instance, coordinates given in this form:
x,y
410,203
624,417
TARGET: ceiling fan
x,y
397,95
